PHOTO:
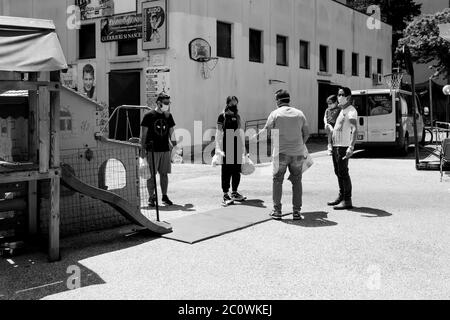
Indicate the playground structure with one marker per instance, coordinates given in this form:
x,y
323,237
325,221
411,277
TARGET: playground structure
x,y
69,178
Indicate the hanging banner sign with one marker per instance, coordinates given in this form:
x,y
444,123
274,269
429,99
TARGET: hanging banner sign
x,y
157,80
91,9
155,18
121,27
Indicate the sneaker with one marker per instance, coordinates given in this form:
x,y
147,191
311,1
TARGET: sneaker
x,y
297,216
276,215
166,201
152,202
236,196
227,201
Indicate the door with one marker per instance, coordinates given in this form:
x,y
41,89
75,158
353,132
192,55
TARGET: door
x,y
381,124
325,90
359,102
124,89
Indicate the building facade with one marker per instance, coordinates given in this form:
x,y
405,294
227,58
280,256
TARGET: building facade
x,y
307,47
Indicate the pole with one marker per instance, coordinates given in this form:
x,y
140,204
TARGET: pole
x,y
154,180
410,67
431,108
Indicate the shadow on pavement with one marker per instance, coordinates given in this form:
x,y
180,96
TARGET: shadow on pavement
x,y
371,212
176,207
253,203
313,220
30,276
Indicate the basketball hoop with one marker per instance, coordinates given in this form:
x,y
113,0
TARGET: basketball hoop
x,y
394,80
208,64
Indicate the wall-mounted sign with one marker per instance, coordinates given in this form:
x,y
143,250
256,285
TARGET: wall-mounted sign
x,y
157,81
91,9
154,29
199,49
121,27
86,80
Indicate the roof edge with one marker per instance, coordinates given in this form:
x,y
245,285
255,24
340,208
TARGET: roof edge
x,y
26,23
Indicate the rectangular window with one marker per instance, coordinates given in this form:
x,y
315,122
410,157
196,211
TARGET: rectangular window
x,y
355,64
368,67
127,47
282,52
304,54
224,40
323,66
256,46
86,42
340,61
380,66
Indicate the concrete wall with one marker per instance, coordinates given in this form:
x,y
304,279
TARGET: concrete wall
x,y
195,99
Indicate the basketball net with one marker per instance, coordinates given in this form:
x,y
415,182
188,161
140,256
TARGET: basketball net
x,y
208,65
394,80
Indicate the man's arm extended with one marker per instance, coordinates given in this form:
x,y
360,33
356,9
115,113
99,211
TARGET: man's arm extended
x,y
172,137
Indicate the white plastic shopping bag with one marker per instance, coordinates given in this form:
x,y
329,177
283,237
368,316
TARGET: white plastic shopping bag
x,y
217,160
248,167
144,169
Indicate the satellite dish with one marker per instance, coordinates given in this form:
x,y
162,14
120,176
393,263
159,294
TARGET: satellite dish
x,y
446,90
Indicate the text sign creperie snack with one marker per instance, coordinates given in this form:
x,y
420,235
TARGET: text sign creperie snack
x,y
121,27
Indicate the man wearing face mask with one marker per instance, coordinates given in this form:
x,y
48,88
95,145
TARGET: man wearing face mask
x,y
157,131
344,139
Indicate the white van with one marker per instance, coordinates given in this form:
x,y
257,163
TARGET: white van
x,y
385,118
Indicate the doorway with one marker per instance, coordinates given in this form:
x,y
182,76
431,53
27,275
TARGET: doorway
x,y
326,89
124,89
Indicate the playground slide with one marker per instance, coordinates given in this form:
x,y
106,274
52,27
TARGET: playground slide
x,y
130,212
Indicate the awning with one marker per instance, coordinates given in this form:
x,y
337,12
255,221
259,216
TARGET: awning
x,y
29,45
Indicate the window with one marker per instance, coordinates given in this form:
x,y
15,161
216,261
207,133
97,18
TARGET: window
x,y
282,58
256,46
368,67
359,102
380,66
304,54
112,175
323,67
127,47
224,40
355,64
379,104
86,41
340,62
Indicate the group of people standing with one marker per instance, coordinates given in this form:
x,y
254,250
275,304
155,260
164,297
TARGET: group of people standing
x,y
289,154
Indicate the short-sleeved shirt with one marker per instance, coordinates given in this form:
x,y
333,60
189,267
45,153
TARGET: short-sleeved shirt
x,y
343,130
159,125
230,124
289,122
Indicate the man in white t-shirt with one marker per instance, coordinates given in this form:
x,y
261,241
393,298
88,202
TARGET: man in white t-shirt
x,y
344,139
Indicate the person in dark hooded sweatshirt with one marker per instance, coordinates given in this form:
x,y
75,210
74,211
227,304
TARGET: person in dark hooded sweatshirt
x,y
230,145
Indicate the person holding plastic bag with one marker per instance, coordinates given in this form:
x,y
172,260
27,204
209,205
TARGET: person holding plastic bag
x,y
230,149
290,152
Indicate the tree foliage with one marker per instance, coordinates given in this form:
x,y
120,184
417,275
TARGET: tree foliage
x,y
422,36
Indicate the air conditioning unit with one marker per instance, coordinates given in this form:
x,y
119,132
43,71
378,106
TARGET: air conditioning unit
x,y
377,78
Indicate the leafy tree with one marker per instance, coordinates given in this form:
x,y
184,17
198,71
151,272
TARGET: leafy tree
x,y
423,38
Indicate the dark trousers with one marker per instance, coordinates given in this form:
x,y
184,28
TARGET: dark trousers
x,y
231,173
342,173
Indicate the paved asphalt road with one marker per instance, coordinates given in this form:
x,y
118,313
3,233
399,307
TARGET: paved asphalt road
x,y
393,245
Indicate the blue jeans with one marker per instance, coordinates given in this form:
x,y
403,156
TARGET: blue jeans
x,y
280,166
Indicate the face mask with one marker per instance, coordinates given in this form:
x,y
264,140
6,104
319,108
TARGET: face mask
x,y
342,100
165,108
233,108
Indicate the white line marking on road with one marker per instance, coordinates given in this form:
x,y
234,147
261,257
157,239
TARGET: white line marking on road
x,y
10,261
40,287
